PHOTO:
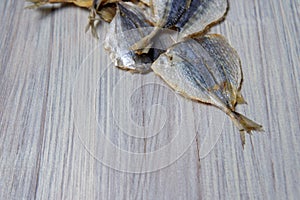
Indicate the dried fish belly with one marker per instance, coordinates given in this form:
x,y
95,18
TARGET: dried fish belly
x,y
128,26
208,70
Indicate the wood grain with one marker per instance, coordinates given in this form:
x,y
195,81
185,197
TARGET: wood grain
x,y
59,94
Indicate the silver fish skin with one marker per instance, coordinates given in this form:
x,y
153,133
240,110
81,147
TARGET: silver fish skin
x,y
207,69
166,13
199,15
190,17
128,26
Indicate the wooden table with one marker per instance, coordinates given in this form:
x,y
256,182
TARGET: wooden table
x,y
72,126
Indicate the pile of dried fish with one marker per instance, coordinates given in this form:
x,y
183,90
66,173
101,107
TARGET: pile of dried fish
x,y
202,67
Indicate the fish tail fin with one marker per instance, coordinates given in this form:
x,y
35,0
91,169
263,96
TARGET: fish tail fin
x,y
245,125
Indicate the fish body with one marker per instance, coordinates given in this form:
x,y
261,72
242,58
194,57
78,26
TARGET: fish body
x,y
128,26
207,69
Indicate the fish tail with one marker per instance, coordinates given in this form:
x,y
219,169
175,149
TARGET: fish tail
x,y
245,125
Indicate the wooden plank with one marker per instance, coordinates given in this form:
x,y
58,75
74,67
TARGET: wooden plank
x,y
59,97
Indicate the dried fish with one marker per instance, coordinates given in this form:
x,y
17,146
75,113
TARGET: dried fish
x,y
80,3
207,69
201,67
190,17
128,26
104,9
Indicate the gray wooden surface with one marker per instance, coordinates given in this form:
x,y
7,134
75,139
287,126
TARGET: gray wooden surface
x,y
74,127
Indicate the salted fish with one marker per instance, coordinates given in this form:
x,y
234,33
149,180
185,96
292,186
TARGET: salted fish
x,y
129,26
103,10
189,17
207,69
80,3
